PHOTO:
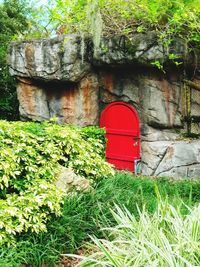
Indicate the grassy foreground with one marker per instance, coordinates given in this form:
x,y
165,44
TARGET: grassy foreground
x,y
165,238
86,213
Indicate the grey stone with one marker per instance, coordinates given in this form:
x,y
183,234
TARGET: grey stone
x,y
152,154
76,104
171,158
119,87
62,57
68,181
161,103
177,155
190,171
146,169
193,171
151,134
140,49
58,58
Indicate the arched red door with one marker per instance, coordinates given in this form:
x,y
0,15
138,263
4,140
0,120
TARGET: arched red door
x,y
123,134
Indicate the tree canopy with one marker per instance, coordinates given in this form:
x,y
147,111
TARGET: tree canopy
x,y
13,21
170,18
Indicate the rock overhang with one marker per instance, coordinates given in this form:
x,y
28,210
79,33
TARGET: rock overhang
x,y
57,58
68,58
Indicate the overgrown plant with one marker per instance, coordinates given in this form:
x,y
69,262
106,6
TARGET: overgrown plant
x,y
170,19
31,156
13,21
84,214
166,238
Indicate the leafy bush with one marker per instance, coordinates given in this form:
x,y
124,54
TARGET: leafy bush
x,y
166,238
29,210
94,133
31,155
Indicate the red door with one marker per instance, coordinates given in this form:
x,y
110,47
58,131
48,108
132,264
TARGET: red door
x,y
123,134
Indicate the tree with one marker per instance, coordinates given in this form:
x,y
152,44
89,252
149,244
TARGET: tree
x,y
13,21
168,18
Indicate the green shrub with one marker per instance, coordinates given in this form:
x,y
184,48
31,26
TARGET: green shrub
x,y
31,156
94,133
166,238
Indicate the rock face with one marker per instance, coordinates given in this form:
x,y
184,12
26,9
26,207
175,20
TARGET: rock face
x,y
61,78
141,90
69,181
74,105
49,59
67,58
141,49
171,158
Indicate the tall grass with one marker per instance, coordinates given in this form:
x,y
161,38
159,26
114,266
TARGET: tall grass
x,y
165,239
86,213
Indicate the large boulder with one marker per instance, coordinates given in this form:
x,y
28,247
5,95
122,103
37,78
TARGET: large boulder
x,y
142,49
171,158
69,58
152,154
61,77
57,58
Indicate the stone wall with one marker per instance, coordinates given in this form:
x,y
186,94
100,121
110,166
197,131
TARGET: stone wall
x,y
56,79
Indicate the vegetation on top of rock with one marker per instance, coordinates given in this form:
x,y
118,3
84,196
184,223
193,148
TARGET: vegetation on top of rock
x,y
177,18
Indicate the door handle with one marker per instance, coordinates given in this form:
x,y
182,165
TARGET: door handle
x,y
135,143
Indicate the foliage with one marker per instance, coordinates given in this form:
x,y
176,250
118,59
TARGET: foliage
x,y
86,213
166,238
31,155
17,18
177,18
22,19
29,210
93,133
13,21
